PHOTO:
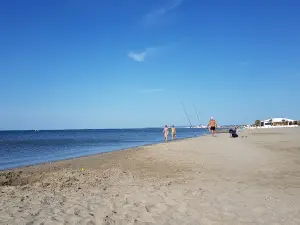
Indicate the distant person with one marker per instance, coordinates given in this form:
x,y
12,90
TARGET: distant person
x,y
233,133
173,132
212,126
166,132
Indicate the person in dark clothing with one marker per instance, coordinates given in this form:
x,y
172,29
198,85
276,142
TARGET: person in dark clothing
x,y
233,133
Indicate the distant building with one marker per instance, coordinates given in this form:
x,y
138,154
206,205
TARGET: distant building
x,y
278,122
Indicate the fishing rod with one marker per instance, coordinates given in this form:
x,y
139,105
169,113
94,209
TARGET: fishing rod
x,y
185,111
196,113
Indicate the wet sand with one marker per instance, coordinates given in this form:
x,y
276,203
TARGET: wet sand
x,y
205,180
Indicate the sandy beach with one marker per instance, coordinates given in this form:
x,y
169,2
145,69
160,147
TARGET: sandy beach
x,y
253,179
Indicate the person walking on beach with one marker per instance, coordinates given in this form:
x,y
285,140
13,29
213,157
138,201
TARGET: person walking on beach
x,y
212,126
166,132
173,132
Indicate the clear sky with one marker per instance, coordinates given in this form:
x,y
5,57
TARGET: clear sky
x,y
123,63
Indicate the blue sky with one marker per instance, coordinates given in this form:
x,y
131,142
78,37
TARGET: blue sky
x,y
122,63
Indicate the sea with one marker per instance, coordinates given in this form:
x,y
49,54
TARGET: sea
x,y
24,148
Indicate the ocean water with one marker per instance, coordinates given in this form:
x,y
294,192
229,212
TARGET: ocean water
x,y
23,148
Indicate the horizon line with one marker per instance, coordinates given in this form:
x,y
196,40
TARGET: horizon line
x,y
69,129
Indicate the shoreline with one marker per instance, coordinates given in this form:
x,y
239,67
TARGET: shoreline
x,y
96,154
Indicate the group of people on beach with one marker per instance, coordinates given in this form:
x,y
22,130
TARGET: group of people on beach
x,y
166,132
211,126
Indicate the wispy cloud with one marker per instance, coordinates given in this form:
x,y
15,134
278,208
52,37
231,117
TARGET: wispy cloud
x,y
152,90
156,15
141,56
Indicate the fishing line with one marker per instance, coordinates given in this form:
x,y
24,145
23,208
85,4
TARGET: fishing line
x,y
185,110
186,113
197,114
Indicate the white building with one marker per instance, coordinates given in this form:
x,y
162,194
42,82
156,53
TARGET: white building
x,y
278,122
275,123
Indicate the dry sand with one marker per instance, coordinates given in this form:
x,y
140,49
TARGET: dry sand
x,y
206,180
